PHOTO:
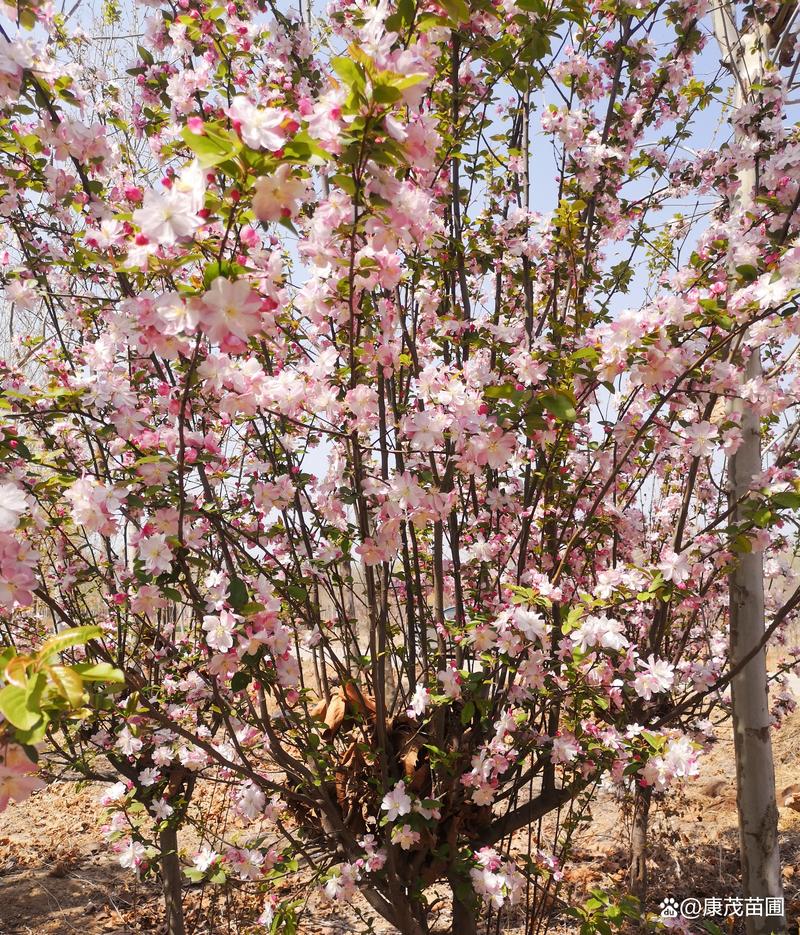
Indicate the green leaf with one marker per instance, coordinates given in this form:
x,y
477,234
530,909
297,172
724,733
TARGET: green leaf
x,y
37,733
349,72
240,681
237,594
6,655
76,636
68,684
457,10
747,272
27,18
760,516
572,620
787,499
403,18
99,672
22,449
19,707
386,94
302,147
403,82
436,751
212,147
467,712
654,740
502,391
560,404
429,21
221,268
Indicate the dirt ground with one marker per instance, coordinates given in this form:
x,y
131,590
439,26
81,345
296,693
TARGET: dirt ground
x,y
57,877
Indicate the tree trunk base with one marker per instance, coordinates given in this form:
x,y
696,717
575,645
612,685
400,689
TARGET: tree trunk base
x,y
171,881
465,915
638,854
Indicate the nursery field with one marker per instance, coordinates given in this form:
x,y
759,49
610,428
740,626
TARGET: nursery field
x,y
57,877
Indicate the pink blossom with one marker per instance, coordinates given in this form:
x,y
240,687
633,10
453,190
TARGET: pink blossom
x,y
341,887
702,436
155,553
161,809
405,836
496,880
599,630
93,505
655,676
220,629
13,504
484,794
168,218
675,567
250,801
204,858
114,793
279,195
678,760
17,572
451,682
230,308
132,855
128,743
397,802
565,749
419,702
258,126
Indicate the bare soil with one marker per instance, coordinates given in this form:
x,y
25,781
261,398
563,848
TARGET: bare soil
x,y
57,877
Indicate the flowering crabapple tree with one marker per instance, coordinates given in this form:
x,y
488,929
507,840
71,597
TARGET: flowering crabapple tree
x,y
400,503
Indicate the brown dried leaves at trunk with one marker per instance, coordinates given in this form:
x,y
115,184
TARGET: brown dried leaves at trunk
x,y
351,732
350,727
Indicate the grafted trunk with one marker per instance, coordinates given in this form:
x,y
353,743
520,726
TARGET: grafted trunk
x,y
465,913
638,853
171,881
399,913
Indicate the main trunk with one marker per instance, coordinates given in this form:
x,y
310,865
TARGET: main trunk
x,y
171,881
465,915
638,856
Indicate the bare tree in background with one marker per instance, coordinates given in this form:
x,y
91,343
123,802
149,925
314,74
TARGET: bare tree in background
x,y
746,49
